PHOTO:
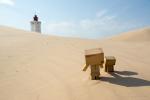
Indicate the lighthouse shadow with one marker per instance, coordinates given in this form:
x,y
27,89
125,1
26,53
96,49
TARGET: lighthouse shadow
x,y
124,78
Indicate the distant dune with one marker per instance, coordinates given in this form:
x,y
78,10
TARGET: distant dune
x,y
40,67
136,35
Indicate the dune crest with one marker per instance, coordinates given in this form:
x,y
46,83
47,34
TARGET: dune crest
x,y
140,35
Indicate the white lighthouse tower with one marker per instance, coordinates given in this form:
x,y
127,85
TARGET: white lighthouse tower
x,y
35,24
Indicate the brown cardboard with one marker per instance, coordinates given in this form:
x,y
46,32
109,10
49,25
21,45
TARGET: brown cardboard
x,y
110,60
95,71
95,68
109,68
85,67
94,56
94,77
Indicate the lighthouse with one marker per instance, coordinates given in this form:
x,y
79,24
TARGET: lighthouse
x,y
36,24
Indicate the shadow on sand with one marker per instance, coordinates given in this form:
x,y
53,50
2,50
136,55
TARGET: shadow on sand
x,y
124,78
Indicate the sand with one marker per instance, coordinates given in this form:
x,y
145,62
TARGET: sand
x,y
40,67
139,35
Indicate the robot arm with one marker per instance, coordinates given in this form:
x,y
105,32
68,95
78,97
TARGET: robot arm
x,y
85,67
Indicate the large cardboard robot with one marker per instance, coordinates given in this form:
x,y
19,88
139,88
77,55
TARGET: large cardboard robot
x,y
94,59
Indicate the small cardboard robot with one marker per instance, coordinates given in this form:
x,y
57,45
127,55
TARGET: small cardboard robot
x,y
95,59
110,62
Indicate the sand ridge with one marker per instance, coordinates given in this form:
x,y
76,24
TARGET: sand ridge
x,y
139,35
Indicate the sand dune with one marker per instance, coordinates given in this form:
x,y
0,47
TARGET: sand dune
x,y
37,67
140,35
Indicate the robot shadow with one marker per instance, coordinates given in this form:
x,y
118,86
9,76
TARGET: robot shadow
x,y
124,78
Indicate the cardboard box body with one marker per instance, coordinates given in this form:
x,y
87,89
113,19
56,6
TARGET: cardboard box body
x,y
109,68
95,74
94,56
110,60
95,69
94,77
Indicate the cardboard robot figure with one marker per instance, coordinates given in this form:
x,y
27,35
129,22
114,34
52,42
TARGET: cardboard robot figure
x,y
95,59
110,62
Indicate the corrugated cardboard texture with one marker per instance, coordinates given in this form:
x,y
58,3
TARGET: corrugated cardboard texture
x,y
95,69
94,56
110,60
109,68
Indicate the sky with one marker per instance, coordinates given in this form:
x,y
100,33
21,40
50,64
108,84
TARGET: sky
x,y
77,18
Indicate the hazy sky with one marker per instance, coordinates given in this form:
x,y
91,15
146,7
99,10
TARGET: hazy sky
x,y
79,18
